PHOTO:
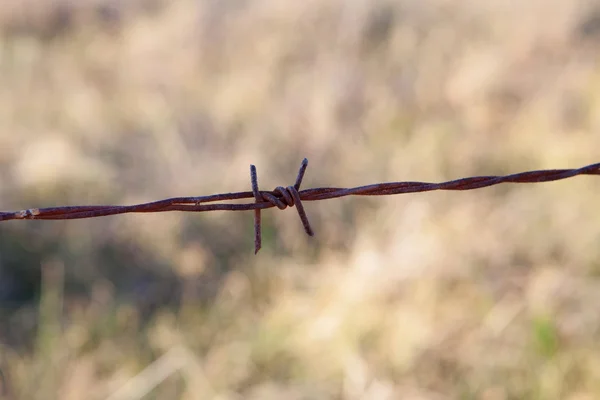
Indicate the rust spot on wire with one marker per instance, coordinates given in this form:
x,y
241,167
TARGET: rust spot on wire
x,y
290,196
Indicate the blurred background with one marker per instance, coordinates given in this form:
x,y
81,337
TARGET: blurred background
x,y
487,294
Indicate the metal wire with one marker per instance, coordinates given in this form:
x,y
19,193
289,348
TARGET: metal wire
x,y
289,196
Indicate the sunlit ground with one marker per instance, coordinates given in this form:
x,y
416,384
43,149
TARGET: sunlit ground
x,y
486,294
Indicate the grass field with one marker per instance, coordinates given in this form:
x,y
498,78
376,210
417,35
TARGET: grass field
x,y
486,294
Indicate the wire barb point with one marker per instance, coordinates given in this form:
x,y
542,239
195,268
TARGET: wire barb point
x,y
281,198
259,199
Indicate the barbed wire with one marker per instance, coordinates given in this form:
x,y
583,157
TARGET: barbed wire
x,y
290,196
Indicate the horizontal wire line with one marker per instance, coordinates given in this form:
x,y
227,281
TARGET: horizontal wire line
x,y
284,197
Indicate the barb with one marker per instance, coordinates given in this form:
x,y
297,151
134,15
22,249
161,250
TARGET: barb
x,y
290,196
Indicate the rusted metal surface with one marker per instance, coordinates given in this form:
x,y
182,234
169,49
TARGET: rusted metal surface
x,y
290,196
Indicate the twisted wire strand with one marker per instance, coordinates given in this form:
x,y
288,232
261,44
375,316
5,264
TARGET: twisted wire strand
x,y
290,196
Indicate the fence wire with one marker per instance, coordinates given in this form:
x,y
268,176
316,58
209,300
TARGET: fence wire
x,y
283,197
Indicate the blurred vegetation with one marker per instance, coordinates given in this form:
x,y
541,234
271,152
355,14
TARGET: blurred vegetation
x,y
489,294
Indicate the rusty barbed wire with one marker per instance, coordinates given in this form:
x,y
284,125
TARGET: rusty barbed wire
x,y
289,196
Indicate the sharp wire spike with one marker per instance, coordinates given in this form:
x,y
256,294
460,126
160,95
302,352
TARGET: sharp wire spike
x,y
259,199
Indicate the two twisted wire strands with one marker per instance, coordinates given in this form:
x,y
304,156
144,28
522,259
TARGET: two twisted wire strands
x,y
289,197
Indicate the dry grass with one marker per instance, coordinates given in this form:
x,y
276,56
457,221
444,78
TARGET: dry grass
x,y
489,294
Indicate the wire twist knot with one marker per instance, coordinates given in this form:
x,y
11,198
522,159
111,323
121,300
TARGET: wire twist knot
x,y
288,197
